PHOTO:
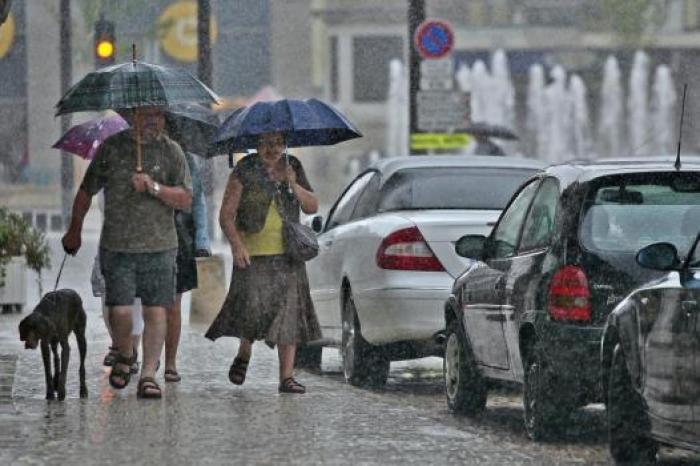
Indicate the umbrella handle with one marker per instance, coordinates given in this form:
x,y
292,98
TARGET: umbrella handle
x,y
286,165
139,151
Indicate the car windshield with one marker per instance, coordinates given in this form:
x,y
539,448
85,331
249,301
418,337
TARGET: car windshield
x,y
451,188
626,213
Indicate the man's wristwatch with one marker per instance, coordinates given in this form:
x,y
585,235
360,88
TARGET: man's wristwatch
x,y
156,189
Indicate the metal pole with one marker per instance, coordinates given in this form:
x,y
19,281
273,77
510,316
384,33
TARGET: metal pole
x,y
416,15
204,72
66,79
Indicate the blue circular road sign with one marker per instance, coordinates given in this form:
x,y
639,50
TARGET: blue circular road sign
x,y
433,39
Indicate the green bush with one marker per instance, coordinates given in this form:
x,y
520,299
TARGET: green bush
x,y
18,238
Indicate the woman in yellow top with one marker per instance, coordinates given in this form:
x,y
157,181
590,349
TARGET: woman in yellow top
x,y
269,297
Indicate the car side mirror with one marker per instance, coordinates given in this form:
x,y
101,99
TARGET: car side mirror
x,y
470,246
659,256
317,223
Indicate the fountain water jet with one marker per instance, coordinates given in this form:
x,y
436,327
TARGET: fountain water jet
x,y
581,131
611,110
397,111
559,117
663,110
464,78
503,93
481,91
536,111
637,105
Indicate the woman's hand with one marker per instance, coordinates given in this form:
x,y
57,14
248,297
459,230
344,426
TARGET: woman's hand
x,y
241,259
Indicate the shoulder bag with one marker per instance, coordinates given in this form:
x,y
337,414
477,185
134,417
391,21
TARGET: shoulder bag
x,y
299,240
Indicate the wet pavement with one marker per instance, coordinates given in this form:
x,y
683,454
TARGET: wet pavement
x,y
206,420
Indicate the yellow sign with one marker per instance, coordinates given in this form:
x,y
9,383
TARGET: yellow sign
x,y
178,30
424,141
7,35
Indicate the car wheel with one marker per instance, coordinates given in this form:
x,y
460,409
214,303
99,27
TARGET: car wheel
x,y
308,357
542,413
363,364
465,388
628,424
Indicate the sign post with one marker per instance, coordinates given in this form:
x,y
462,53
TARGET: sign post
x,y
416,15
438,111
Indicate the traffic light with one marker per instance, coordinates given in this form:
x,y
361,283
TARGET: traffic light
x,y
105,43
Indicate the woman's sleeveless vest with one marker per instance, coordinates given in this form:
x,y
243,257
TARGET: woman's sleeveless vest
x,y
258,192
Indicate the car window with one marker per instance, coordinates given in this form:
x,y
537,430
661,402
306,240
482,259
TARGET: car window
x,y
539,226
625,213
504,240
342,211
695,258
478,188
367,201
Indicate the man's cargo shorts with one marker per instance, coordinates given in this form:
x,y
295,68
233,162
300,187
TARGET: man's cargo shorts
x,y
148,275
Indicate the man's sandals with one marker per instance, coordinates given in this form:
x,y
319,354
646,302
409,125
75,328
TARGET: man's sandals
x,y
110,356
237,371
117,374
289,385
148,388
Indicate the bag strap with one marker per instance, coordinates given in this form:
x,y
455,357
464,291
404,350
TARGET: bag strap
x,y
279,202
278,192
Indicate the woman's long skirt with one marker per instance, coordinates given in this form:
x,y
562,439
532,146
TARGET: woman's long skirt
x,y
268,300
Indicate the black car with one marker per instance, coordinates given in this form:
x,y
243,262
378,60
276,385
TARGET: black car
x,y
532,306
650,356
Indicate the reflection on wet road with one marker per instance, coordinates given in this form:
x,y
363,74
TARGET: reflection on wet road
x,y
206,420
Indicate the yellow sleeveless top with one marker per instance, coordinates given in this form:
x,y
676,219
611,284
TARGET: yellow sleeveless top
x,y
268,241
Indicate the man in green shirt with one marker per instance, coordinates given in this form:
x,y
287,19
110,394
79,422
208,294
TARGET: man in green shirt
x,y
139,243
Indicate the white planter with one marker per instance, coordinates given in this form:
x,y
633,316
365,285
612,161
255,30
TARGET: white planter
x,y
13,296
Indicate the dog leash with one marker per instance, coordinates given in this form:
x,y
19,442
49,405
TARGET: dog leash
x,y
60,271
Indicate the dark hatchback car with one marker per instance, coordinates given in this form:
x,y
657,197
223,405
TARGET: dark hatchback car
x,y
650,357
532,306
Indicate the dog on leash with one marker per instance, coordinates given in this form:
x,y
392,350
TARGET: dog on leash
x,y
57,315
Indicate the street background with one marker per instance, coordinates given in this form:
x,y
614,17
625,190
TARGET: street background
x,y
575,79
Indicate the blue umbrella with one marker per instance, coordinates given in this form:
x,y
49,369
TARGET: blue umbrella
x,y
303,122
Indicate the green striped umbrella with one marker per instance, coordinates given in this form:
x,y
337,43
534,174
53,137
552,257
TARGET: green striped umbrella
x,y
134,84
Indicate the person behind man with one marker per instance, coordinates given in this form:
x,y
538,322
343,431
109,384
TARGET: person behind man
x,y
138,245
202,244
193,241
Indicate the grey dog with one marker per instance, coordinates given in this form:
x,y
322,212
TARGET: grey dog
x,y
57,315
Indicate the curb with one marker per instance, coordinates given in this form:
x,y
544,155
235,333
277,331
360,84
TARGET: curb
x,y
8,363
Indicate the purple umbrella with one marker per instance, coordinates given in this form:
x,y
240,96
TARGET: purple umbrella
x,y
84,139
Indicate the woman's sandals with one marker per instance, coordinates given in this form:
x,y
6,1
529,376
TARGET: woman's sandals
x,y
171,375
117,373
237,371
289,385
148,388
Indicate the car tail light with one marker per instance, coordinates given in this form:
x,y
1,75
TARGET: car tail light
x,y
569,295
407,250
